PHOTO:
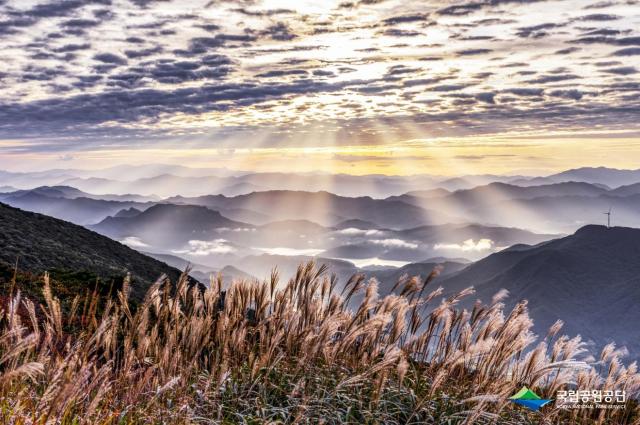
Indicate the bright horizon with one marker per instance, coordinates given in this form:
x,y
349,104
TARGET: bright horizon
x,y
537,159
37,166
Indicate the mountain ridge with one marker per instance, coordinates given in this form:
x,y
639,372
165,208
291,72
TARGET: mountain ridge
x,y
576,279
41,243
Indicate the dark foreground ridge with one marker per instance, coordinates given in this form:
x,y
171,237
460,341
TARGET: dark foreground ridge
x,y
41,243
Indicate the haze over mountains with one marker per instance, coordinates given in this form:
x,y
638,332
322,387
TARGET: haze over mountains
x,y
492,232
204,235
172,180
401,220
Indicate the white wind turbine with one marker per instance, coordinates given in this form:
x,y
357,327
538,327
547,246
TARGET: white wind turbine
x,y
608,214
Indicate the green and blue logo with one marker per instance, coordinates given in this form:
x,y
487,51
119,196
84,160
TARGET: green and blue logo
x,y
527,398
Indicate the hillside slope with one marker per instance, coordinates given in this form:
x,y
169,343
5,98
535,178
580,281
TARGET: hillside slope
x,y
42,243
590,280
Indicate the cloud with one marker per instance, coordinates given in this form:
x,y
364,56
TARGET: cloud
x,y
526,92
394,243
61,114
537,31
600,5
279,31
282,73
552,78
599,17
473,52
81,23
134,242
605,36
110,58
72,48
487,97
61,8
424,81
356,4
403,19
622,70
628,41
323,73
397,32
201,45
449,87
397,70
431,58
134,40
267,12
134,54
461,9
352,231
603,31
482,157
631,51
200,248
146,3
237,229
467,246
291,252
174,72
567,51
567,94
18,20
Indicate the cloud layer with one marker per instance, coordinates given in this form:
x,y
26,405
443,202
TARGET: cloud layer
x,y
88,74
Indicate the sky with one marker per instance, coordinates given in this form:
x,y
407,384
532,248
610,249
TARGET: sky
x,y
361,86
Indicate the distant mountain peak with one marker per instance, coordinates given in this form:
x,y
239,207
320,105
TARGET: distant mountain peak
x,y
128,212
163,207
602,230
591,229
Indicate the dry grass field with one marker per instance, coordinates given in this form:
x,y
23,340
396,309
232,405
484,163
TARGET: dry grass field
x,y
291,352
